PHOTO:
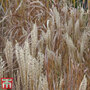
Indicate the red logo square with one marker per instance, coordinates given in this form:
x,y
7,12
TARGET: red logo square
x,y
6,83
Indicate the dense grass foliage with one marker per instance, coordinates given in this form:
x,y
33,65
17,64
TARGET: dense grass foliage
x,y
46,45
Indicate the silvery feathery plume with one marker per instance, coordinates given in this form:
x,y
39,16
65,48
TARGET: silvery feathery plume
x,y
34,39
2,65
41,61
84,41
43,84
23,65
56,16
81,16
47,35
9,55
69,42
83,84
77,27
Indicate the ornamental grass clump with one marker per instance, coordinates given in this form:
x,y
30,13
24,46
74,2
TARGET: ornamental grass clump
x,y
47,46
